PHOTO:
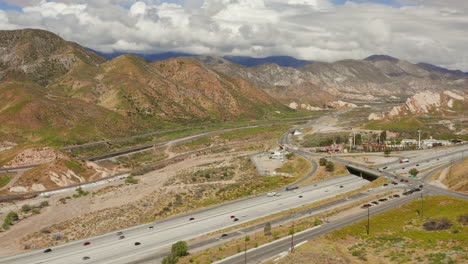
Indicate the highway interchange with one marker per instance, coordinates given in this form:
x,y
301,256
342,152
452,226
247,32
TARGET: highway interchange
x,y
113,248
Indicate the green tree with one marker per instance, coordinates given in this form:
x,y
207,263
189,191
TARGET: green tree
x,y
171,259
358,139
413,171
247,238
330,166
180,249
383,136
323,162
387,151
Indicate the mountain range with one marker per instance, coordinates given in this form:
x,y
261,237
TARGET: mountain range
x,y
58,91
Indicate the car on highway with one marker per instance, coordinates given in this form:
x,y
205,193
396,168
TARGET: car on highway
x,y
290,188
137,243
232,216
341,186
404,160
271,194
396,195
48,250
236,219
395,183
150,227
384,168
87,243
300,196
383,200
121,237
375,202
385,184
86,258
119,233
191,218
366,206
224,235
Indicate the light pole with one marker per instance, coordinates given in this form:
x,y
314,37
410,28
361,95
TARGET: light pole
x,y
419,136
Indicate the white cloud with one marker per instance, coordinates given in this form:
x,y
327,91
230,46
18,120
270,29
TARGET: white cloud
x,y
308,29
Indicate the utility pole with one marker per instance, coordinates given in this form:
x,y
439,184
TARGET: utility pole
x,y
245,251
292,239
368,220
422,205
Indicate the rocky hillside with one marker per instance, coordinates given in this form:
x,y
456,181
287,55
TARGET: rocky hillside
x,y
39,55
428,103
174,89
54,91
378,77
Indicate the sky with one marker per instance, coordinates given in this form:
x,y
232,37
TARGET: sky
x,y
432,31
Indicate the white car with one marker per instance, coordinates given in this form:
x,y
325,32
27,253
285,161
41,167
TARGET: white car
x,y
271,194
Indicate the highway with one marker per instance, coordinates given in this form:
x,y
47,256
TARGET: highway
x,y
108,248
267,251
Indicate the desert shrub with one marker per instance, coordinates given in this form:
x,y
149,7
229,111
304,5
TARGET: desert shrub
x,y
463,219
44,203
413,171
330,166
323,162
441,223
26,208
36,211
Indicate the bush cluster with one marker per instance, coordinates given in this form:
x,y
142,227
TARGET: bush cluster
x,y
441,223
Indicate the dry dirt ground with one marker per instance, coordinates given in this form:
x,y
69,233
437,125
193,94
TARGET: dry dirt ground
x,y
114,199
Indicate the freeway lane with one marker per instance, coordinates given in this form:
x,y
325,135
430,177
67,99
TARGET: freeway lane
x,y
268,251
108,248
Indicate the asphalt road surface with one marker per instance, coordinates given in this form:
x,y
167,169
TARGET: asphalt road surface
x,y
109,248
262,253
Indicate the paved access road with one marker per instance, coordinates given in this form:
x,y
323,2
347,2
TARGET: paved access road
x,y
262,253
108,248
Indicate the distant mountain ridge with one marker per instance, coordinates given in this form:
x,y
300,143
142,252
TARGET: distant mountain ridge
x,y
284,61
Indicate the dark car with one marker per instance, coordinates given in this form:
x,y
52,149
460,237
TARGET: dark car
x,y
395,183
386,184
300,196
86,258
383,200
150,227
236,219
341,186
366,205
224,235
137,243
384,168
417,164
420,186
47,250
86,243
191,218
396,195
375,202
121,237
417,189
289,188
402,180
119,233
